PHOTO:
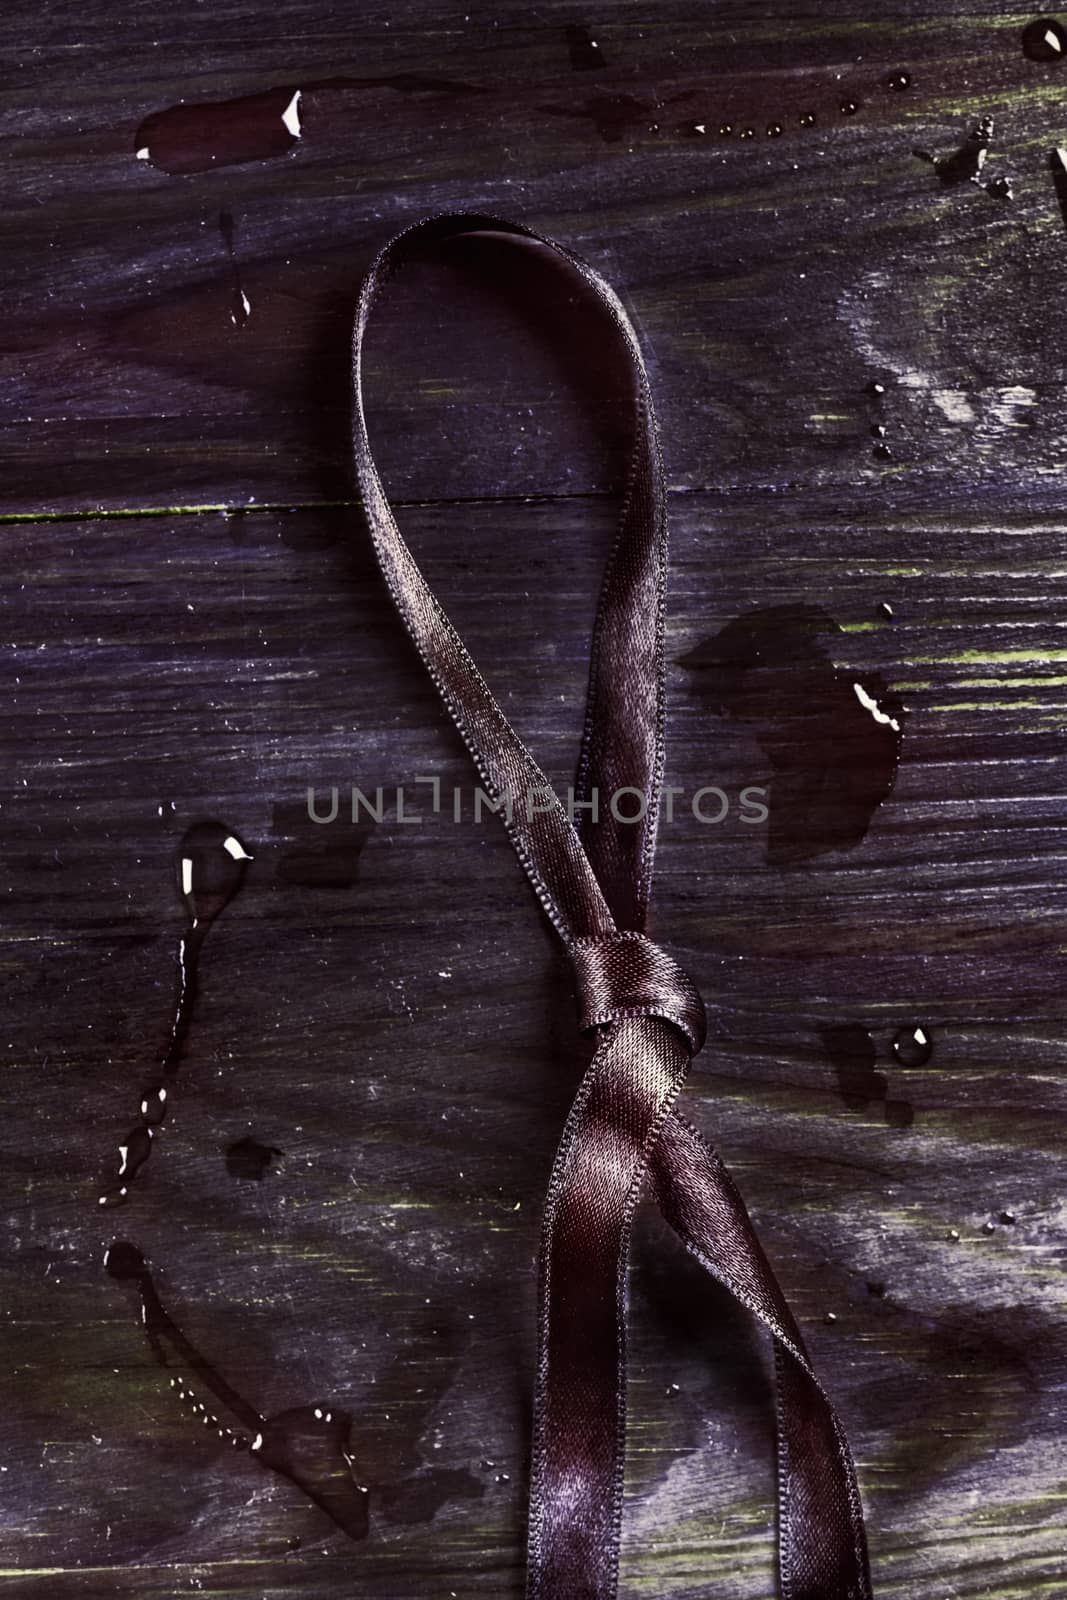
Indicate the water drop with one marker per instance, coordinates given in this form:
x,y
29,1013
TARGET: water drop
x,y
869,703
211,869
198,136
748,133
211,863
125,1262
898,82
1008,1218
725,129
585,52
1045,40
291,116
201,136
1058,163
807,119
774,130
135,1152
153,1106
849,108
966,164
913,1047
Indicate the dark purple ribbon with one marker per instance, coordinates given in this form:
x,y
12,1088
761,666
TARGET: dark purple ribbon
x,y
623,1132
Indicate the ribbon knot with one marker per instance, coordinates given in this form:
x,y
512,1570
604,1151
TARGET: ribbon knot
x,y
627,975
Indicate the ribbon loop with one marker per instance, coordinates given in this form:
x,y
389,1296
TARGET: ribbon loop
x,y
627,975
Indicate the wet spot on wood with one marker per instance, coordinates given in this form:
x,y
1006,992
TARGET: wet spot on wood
x,y
833,737
853,1053
203,135
421,1497
307,1444
614,116
319,855
967,163
248,1159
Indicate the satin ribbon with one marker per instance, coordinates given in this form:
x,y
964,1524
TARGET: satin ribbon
x,y
623,1133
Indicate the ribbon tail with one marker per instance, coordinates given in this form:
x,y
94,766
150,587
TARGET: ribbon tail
x,y
822,1547
579,1407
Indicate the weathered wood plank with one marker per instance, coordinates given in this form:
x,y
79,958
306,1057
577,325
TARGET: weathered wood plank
x,y
170,666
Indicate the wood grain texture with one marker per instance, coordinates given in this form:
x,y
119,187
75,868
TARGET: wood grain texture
x,y
383,1004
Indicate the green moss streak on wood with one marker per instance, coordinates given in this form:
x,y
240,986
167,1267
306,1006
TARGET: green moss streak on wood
x,y
218,508
990,705
1010,683
982,657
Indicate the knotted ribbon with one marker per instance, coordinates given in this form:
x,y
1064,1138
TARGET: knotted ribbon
x,y
623,1132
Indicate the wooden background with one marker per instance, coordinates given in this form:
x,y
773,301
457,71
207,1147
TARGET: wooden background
x,y
193,627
